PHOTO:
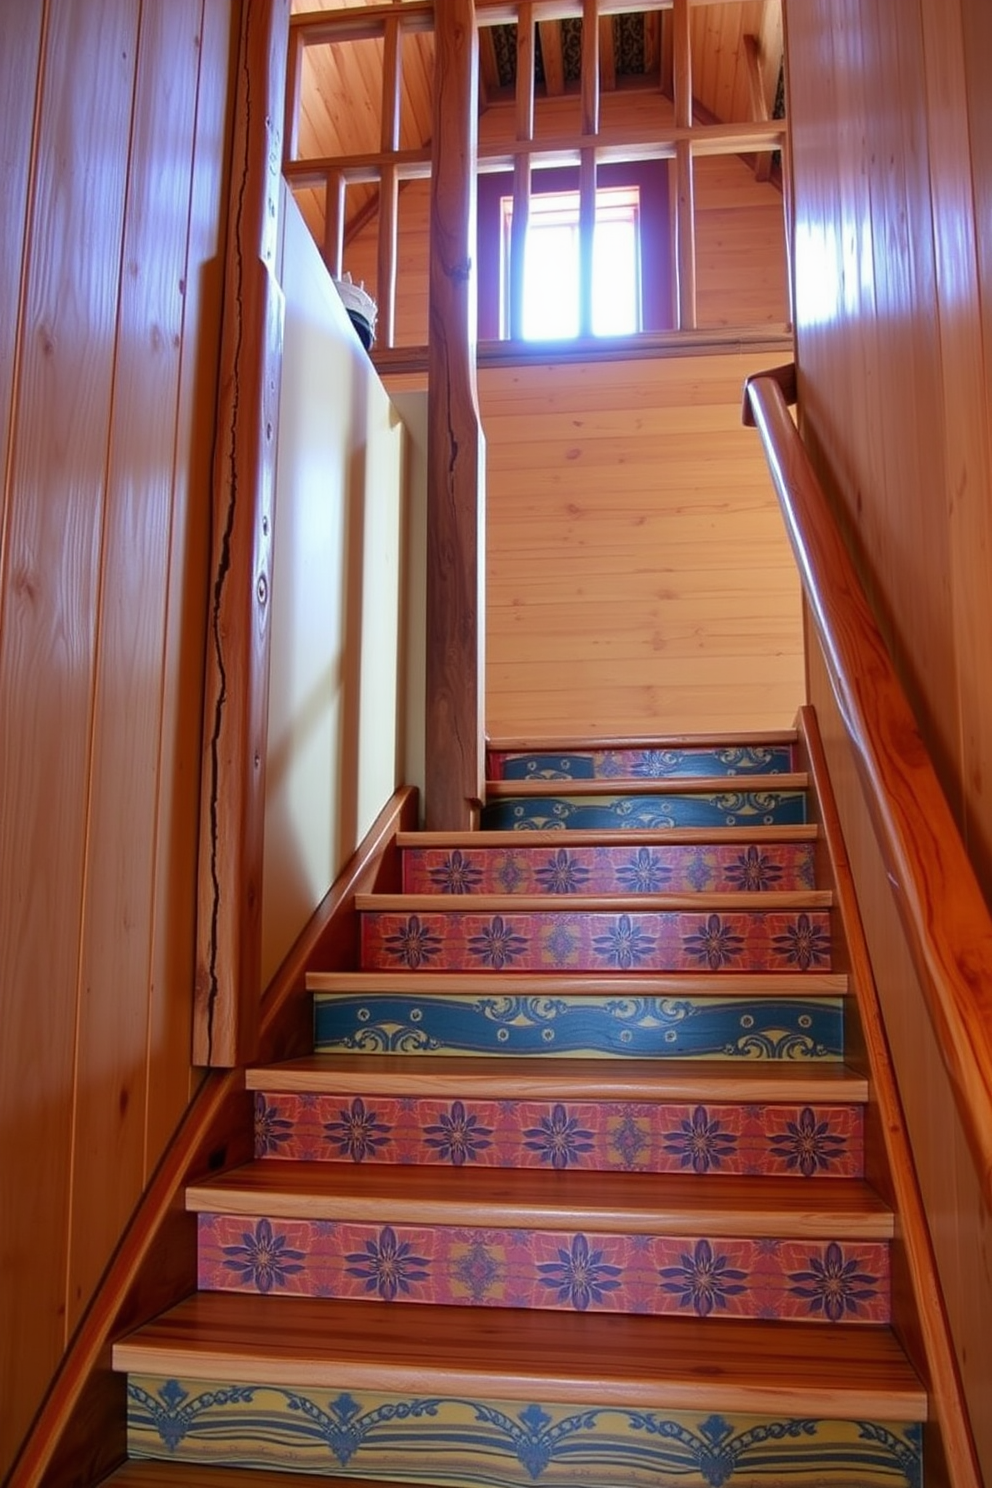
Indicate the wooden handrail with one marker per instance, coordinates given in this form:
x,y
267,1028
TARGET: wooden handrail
x,y
944,916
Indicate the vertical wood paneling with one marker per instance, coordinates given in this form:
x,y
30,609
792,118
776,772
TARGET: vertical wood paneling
x,y
117,931
50,600
108,383
639,577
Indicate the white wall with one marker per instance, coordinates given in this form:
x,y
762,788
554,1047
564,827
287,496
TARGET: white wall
x,y
335,746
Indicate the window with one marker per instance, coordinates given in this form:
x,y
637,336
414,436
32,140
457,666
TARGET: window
x,y
551,264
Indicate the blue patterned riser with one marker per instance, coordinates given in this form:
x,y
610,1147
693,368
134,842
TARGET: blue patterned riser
x,y
616,812
508,1444
641,764
586,1025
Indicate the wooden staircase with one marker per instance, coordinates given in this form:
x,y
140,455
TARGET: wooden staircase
x,y
571,1190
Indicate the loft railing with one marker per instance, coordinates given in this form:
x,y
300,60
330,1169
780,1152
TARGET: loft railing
x,y
944,917
386,167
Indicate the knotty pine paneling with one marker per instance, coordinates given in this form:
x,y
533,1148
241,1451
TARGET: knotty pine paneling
x,y
114,146
639,578
959,1219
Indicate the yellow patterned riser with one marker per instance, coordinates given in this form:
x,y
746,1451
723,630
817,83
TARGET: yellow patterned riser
x,y
502,1444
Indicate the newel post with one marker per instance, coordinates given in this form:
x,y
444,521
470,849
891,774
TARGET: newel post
x,y
232,803
455,453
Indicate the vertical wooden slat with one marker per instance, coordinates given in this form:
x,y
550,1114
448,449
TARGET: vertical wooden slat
x,y
551,55
521,171
587,161
335,189
685,228
759,103
236,682
607,55
455,456
392,64
294,87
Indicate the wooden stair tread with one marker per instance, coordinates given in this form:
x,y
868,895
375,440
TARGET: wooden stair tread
x,y
530,1198
582,1358
508,1077
639,785
574,745
768,901
577,837
571,983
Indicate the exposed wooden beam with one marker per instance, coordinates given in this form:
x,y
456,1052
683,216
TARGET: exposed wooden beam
x,y
554,61
488,67
607,55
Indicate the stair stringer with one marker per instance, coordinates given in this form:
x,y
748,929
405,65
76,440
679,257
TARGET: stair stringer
x,y
919,1318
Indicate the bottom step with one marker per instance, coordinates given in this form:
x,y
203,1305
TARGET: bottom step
x,y
504,1401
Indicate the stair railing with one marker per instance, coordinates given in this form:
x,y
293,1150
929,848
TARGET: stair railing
x,y
944,916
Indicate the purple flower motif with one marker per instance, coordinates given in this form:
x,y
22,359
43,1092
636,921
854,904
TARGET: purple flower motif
x,y
644,873
655,764
387,1265
457,874
497,945
716,944
834,1286
699,1143
415,944
559,1138
803,944
358,1133
478,1270
271,1129
580,1275
262,1258
624,944
629,1139
703,1280
754,871
808,1145
562,874
458,1135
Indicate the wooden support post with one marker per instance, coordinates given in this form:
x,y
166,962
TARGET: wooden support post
x,y
685,223
521,169
334,220
294,89
587,160
392,64
455,452
232,798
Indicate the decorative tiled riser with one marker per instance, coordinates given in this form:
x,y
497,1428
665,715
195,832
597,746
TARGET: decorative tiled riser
x,y
596,940
581,1026
702,1275
769,1140
696,761
508,1444
645,813
670,868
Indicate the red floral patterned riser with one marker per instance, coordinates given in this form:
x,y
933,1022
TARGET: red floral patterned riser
x,y
461,940
801,1141
670,868
704,1275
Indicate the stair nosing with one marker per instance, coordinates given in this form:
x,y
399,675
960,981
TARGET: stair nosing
x,y
601,1359
607,837
638,785
645,984
538,1077
575,745
767,901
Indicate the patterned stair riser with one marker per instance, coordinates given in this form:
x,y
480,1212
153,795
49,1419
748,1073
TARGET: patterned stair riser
x,y
645,813
508,1444
597,940
586,1026
619,1136
706,1275
670,868
697,761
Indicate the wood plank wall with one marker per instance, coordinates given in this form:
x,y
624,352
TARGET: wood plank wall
x,y
112,144
892,148
640,579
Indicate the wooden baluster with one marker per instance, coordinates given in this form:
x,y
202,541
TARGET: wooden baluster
x,y
521,169
389,182
587,160
685,225
335,188
455,453
294,89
